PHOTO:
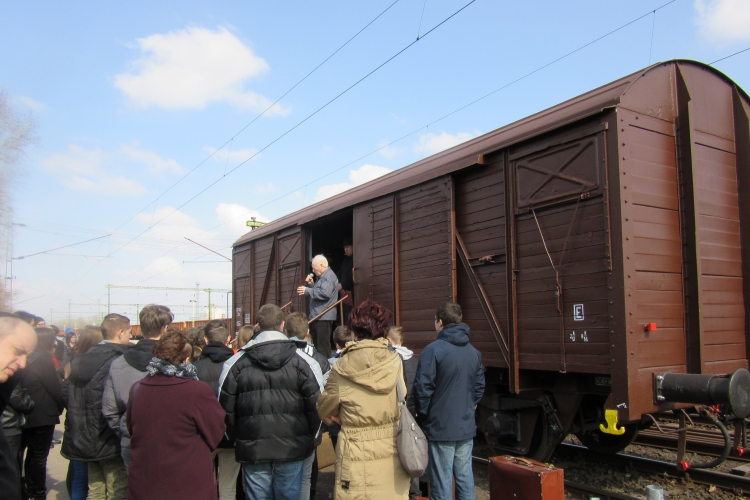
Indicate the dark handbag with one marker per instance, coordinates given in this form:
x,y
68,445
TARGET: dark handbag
x,y
411,442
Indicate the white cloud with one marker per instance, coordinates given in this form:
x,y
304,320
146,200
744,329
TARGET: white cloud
x,y
363,174
264,188
724,20
95,170
155,163
30,103
235,216
84,170
173,218
386,150
192,68
430,143
236,156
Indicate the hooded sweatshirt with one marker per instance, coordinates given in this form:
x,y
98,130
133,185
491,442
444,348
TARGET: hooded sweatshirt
x,y
409,362
123,373
449,383
87,435
361,391
269,393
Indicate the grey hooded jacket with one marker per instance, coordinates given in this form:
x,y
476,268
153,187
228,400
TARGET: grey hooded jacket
x,y
123,373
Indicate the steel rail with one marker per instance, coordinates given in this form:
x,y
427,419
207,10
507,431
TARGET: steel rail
x,y
580,488
709,445
651,466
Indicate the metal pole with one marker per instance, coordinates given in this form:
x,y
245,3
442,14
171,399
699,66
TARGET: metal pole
x,y
197,300
209,303
109,291
69,301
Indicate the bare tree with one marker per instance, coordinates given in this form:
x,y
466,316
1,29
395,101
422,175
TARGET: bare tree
x,y
17,134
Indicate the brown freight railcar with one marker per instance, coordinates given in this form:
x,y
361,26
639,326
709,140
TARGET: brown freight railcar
x,y
594,247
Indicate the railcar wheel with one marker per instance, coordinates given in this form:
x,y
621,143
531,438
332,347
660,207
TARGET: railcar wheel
x,y
545,439
600,442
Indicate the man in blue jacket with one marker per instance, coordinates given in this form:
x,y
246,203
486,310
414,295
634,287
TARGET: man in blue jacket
x,y
447,388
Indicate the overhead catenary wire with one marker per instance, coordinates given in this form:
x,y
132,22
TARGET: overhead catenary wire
x,y
262,113
448,115
437,120
652,11
60,248
301,122
730,55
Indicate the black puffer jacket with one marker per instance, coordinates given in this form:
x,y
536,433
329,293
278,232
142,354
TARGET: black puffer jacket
x,y
87,436
211,362
269,393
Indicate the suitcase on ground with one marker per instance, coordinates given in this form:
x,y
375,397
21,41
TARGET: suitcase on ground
x,y
514,478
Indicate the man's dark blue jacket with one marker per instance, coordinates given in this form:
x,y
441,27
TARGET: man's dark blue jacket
x,y
448,385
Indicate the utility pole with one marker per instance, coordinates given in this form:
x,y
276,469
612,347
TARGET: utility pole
x,y
69,304
209,303
108,298
197,300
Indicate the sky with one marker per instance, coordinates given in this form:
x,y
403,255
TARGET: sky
x,y
161,121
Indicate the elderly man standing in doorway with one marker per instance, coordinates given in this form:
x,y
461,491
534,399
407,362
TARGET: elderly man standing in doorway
x,y
323,293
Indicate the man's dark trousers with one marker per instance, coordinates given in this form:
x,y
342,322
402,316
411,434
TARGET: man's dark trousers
x,y
37,441
321,336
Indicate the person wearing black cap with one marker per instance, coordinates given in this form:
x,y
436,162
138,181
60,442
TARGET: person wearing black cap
x,y
346,282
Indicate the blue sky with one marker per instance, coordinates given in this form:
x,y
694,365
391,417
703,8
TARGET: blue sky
x,y
130,97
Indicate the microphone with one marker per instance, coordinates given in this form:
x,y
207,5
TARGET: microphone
x,y
310,276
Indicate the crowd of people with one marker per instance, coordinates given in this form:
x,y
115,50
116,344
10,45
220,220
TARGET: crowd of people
x,y
202,415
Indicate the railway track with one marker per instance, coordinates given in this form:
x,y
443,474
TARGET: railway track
x,y
737,484
703,441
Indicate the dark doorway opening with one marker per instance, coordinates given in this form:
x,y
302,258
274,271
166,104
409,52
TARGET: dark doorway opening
x,y
327,237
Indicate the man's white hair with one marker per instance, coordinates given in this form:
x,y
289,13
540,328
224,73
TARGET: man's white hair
x,y
320,259
8,326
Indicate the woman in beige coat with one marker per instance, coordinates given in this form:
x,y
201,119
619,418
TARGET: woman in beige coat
x,y
361,395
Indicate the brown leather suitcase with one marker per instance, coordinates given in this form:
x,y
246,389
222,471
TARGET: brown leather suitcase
x,y
514,478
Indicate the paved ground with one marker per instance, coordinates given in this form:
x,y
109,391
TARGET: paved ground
x,y
57,469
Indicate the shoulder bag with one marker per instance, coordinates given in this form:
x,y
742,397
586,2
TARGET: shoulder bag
x,y
411,442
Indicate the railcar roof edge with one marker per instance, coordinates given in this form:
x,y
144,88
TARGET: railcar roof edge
x,y
465,154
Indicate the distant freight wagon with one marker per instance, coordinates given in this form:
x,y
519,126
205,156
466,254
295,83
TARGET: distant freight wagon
x,y
598,248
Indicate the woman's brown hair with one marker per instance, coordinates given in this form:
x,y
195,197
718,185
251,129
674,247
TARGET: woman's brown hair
x,y
89,337
369,320
173,347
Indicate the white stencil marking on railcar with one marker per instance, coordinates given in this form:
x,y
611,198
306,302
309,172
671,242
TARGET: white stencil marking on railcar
x,y
578,312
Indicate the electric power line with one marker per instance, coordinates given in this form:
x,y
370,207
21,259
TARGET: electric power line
x,y
258,116
321,108
457,110
727,57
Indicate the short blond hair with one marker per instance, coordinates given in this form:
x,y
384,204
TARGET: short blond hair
x,y
396,335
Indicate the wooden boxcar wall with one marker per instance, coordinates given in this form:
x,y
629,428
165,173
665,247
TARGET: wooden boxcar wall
x,y
447,239
267,271
680,191
405,238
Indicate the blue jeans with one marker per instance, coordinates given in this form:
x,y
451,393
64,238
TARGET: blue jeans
x,y
448,460
273,481
79,488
